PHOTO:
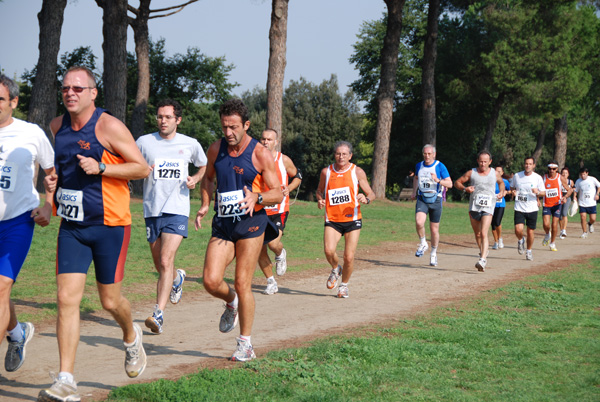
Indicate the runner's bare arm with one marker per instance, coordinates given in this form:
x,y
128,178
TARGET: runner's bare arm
x,y
460,183
292,172
363,183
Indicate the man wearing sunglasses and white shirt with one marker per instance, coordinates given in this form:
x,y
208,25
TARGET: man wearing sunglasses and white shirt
x,y
167,200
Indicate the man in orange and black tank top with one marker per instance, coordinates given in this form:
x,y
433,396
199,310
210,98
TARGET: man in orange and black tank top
x,y
338,194
554,197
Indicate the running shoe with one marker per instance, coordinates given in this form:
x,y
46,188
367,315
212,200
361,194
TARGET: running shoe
x,y
176,291
155,322
421,249
135,355
553,247
243,352
15,354
546,241
529,255
343,292
591,227
333,277
229,319
281,263
271,288
521,246
496,246
563,234
481,265
433,260
584,235
61,390
500,243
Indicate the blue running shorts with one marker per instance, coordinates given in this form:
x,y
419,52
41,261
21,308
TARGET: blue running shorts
x,y
15,239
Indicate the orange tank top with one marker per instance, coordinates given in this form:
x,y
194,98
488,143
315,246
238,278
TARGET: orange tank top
x,y
553,191
341,189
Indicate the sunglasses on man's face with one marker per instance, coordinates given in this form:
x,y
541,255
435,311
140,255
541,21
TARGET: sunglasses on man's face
x,y
77,90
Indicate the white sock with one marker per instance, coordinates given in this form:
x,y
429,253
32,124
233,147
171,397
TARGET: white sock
x,y
423,240
234,303
177,281
547,237
344,284
433,250
16,334
66,376
271,279
246,338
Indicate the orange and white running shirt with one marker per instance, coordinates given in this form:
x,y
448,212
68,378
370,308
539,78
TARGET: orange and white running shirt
x,y
282,175
553,192
341,189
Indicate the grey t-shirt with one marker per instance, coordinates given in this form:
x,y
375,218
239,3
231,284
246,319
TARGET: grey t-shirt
x,y
483,199
165,189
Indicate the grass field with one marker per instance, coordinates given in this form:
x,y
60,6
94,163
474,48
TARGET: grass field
x,y
532,340
384,221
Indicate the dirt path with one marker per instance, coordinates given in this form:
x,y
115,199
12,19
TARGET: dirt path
x,y
389,283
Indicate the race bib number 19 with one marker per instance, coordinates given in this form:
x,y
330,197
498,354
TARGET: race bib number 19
x,y
8,176
169,169
70,204
339,196
228,204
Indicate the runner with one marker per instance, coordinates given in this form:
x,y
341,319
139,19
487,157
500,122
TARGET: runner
x,y
95,157
167,201
338,194
22,147
430,177
526,185
499,211
278,213
554,198
587,190
240,226
564,211
482,197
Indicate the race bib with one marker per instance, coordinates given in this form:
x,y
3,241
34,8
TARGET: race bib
x,y
70,204
523,197
551,193
227,204
483,200
427,185
8,176
339,196
588,195
169,169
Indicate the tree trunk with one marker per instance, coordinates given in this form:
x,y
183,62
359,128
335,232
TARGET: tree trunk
x,y
560,141
142,53
114,46
385,95
42,107
277,62
539,147
428,75
487,140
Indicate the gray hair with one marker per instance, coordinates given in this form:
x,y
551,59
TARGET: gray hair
x,y
429,146
13,88
342,144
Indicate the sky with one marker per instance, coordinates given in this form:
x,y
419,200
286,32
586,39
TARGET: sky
x,y
319,42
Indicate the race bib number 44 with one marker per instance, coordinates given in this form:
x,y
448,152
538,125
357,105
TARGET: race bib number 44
x,y
169,169
339,196
483,200
228,204
70,204
8,176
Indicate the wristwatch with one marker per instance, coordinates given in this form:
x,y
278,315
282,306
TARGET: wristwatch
x,y
101,167
260,199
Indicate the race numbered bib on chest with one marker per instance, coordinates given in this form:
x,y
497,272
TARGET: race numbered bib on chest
x,y
339,196
484,200
169,169
522,196
227,204
426,184
551,193
70,204
588,195
8,176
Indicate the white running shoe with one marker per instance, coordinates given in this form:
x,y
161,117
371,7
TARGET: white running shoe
x,y
529,255
553,247
135,355
281,263
584,235
421,249
243,352
61,390
15,354
496,246
481,265
333,277
271,288
433,260
591,227
563,234
176,291
500,243
521,246
343,292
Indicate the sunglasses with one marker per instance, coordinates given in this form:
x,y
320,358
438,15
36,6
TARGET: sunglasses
x,y
77,90
552,168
